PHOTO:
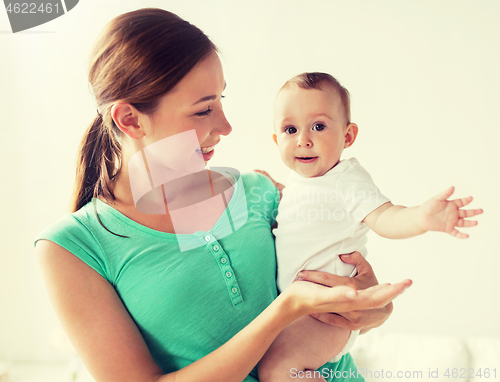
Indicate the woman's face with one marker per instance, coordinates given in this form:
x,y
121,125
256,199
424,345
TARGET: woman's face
x,y
193,106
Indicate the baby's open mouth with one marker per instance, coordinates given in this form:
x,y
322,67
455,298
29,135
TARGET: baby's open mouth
x,y
306,159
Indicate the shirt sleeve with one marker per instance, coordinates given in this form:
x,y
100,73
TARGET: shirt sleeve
x,y
358,193
75,237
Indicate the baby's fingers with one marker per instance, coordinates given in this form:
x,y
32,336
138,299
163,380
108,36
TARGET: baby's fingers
x,y
462,202
445,194
458,234
469,213
466,223
262,172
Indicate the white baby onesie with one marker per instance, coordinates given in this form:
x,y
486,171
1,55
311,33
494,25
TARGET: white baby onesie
x,y
321,218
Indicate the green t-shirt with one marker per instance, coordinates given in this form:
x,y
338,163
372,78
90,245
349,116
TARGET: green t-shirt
x,y
185,303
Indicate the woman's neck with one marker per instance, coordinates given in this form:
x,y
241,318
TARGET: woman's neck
x,y
199,196
121,188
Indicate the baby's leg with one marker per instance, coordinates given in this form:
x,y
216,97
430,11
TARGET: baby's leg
x,y
302,347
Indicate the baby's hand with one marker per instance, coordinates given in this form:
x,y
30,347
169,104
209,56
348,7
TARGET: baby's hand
x,y
279,186
440,214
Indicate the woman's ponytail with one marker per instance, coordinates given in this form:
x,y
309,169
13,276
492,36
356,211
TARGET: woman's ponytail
x,y
97,163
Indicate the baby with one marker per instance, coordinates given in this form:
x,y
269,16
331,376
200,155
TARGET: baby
x,y
326,210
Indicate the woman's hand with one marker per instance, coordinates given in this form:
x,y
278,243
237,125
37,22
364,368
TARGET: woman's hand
x,y
309,298
375,299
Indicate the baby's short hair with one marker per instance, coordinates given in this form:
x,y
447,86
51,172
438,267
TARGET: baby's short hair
x,y
318,80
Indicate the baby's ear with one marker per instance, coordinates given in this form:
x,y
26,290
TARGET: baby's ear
x,y
275,138
350,134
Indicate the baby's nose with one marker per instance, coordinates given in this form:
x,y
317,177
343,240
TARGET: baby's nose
x,y
304,141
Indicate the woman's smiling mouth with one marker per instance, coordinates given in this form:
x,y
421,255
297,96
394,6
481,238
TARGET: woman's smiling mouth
x,y
205,150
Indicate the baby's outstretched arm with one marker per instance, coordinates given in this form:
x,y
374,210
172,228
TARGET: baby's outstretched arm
x,y
436,214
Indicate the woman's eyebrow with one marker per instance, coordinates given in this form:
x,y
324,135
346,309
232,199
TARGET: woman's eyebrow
x,y
208,98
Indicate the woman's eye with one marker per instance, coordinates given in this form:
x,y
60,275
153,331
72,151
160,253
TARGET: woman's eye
x,y
290,130
319,127
203,113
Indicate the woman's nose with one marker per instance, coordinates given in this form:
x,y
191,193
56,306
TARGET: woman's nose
x,y
222,125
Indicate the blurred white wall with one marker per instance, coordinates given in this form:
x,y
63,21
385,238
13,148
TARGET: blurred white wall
x,y
424,81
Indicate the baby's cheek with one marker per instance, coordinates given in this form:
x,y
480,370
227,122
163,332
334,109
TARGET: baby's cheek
x,y
287,157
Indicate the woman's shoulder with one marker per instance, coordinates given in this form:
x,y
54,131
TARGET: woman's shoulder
x,y
68,224
90,225
75,232
256,179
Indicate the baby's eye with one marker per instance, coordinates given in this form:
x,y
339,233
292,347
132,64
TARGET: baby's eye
x,y
203,113
319,127
290,130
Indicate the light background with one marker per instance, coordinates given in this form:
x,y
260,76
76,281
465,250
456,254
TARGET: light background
x,y
424,81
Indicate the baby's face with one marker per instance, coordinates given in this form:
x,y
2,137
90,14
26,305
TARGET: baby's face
x,y
310,129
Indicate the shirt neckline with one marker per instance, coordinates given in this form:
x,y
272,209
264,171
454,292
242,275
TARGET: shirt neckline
x,y
166,235
341,166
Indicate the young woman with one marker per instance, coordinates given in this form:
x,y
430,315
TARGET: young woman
x,y
171,296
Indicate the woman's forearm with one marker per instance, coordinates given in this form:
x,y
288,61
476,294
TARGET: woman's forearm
x,y
234,360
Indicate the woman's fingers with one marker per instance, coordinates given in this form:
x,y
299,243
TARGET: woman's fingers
x,y
358,319
342,298
386,289
358,261
322,278
340,293
378,296
369,309
334,319
379,286
365,277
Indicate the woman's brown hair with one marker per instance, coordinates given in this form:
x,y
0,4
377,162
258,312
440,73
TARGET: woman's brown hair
x,y
137,58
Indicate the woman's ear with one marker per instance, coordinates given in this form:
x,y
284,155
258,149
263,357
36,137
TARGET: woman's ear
x,y
126,118
350,134
275,138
